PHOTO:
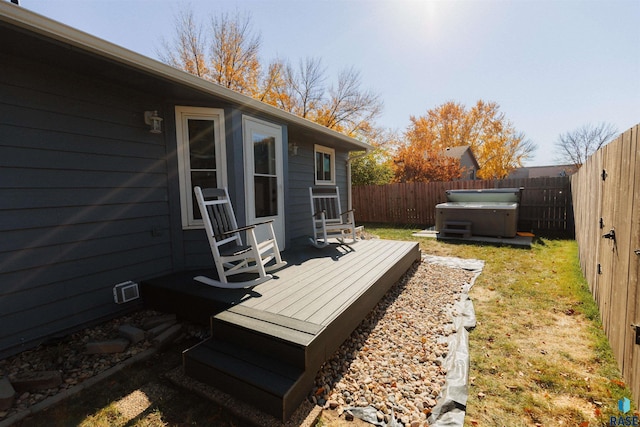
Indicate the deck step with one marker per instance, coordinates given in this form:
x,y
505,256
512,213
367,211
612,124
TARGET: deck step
x,y
268,333
460,229
263,381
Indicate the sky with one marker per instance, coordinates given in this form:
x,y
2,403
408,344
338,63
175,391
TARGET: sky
x,y
552,65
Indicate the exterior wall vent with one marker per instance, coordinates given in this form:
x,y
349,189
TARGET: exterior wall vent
x,y
125,292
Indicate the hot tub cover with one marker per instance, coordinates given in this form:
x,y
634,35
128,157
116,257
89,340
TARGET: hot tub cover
x,y
484,195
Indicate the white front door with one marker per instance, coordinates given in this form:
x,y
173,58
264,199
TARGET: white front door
x,y
264,186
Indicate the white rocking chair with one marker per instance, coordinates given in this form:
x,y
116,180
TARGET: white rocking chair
x,y
328,219
230,255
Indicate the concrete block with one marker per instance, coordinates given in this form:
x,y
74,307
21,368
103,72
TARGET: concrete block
x,y
40,380
154,321
154,332
7,394
130,332
117,345
167,337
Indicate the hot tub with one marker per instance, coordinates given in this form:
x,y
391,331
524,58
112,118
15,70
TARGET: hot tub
x,y
487,212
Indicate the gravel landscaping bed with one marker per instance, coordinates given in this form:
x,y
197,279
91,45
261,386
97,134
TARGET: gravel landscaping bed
x,y
68,357
393,362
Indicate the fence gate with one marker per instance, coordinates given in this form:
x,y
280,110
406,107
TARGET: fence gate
x,y
606,194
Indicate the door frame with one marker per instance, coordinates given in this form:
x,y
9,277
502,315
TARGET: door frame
x,y
249,126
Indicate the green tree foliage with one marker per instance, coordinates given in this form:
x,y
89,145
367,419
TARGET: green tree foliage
x,y
374,168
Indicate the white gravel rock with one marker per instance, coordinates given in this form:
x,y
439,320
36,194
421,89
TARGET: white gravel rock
x,y
393,359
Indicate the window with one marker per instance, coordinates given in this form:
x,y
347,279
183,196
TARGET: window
x,y
263,172
325,165
201,156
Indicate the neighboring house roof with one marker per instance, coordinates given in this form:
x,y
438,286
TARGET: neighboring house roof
x,y
459,152
73,38
543,171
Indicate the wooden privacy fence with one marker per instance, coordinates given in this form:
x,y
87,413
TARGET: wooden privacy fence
x,y
545,207
606,197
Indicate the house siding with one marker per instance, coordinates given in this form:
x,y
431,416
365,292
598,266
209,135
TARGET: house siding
x,y
83,199
301,177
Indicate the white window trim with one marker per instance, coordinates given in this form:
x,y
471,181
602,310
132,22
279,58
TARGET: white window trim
x,y
325,150
184,170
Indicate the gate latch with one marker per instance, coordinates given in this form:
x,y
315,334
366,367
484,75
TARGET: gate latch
x,y
610,235
637,328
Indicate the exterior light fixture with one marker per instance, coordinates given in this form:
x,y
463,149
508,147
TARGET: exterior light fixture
x,y
155,123
293,148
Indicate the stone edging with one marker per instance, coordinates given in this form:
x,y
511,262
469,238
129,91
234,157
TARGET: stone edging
x,y
50,401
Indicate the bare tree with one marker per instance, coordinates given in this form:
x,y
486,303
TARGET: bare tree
x,y
306,84
576,146
344,107
228,55
187,50
296,90
273,86
234,53
349,108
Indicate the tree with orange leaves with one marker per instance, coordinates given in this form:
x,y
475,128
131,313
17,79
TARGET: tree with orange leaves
x,y
495,143
226,53
421,158
187,50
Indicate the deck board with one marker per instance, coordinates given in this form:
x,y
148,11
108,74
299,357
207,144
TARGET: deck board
x,y
313,283
336,298
326,284
296,277
289,329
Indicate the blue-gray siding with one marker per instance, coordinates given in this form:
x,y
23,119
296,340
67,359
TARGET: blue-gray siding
x,y
83,199
301,177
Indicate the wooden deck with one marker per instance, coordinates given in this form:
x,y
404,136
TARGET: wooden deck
x,y
268,342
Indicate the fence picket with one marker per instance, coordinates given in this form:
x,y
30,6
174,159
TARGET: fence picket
x,y
610,266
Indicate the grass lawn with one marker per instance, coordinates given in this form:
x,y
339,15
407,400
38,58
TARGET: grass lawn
x,y
539,356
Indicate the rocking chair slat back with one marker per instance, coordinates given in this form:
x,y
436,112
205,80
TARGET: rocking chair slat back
x,y
326,200
220,211
327,217
229,254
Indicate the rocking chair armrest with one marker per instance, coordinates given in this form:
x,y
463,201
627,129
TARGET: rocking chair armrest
x,y
237,230
247,227
269,221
